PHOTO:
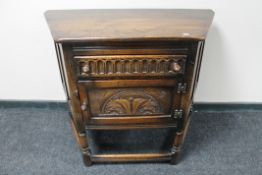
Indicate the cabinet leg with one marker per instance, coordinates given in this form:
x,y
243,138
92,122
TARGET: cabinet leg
x,y
177,144
175,157
83,143
176,149
86,158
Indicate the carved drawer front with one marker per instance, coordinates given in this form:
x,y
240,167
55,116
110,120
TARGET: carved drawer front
x,y
130,66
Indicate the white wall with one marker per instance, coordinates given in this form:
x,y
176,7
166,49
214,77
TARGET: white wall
x,y
231,69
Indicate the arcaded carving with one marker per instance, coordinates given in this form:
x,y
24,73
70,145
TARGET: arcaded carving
x,y
155,65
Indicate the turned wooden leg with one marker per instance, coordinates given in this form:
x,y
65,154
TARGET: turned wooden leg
x,y
175,158
83,143
176,149
177,144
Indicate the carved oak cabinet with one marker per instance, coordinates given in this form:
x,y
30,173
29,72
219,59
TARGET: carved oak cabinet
x,y
129,70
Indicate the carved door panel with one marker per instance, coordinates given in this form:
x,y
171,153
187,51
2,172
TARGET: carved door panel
x,y
130,101
127,101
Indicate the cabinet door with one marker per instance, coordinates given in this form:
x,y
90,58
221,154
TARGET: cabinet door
x,y
128,101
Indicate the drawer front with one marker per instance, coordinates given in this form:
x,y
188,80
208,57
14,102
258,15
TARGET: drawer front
x,y
92,67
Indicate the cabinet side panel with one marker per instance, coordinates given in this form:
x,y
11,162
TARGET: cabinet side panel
x,y
191,74
70,81
61,68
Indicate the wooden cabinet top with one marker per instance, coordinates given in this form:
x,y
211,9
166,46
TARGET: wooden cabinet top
x,y
127,24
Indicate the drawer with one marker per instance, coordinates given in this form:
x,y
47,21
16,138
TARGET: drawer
x,y
128,101
125,66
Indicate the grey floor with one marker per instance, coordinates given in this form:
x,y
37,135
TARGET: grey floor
x,y
39,141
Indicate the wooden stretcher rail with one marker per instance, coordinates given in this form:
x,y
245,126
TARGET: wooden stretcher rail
x,y
131,157
131,126
129,83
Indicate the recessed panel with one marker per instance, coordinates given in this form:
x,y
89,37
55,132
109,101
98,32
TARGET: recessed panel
x,y
130,101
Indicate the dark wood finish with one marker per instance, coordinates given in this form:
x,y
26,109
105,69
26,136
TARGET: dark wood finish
x,y
129,69
92,67
82,25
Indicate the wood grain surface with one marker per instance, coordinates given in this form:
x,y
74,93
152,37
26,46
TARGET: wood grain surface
x,y
84,25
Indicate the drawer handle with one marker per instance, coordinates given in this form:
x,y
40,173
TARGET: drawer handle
x,y
176,67
85,69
